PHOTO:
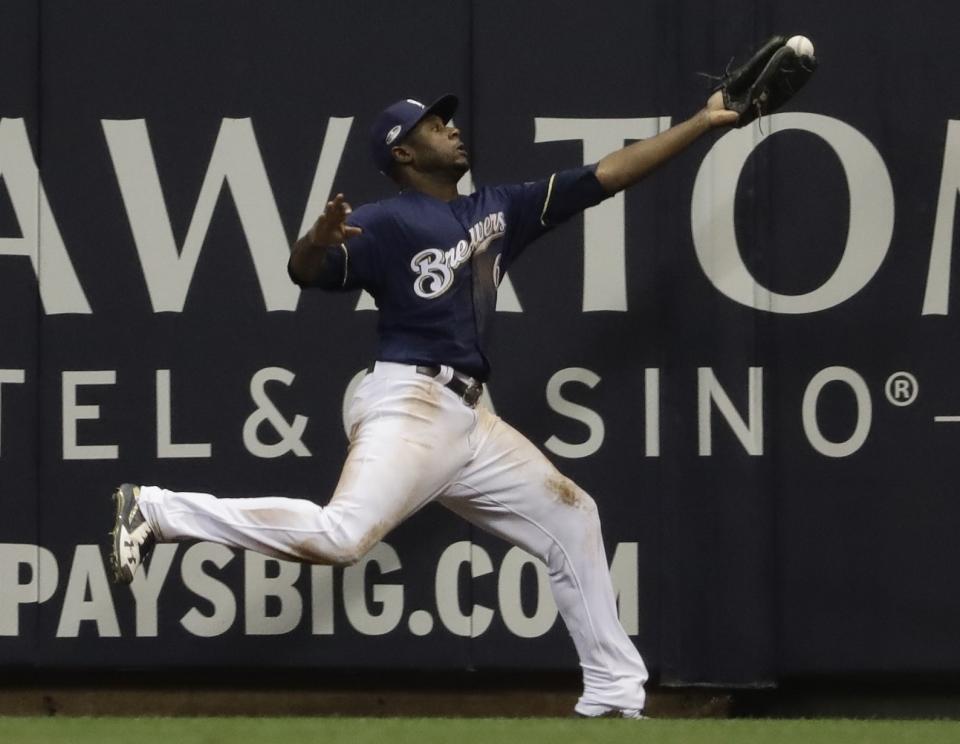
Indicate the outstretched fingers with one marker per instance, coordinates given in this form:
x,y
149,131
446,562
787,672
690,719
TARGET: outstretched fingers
x,y
337,209
331,226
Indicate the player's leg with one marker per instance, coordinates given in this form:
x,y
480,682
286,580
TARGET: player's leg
x,y
407,442
510,489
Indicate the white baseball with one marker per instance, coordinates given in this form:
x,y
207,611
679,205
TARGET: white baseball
x,y
801,45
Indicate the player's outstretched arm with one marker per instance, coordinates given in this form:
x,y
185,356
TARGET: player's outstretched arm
x,y
625,167
308,257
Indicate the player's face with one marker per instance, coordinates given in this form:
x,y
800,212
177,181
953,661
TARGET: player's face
x,y
438,148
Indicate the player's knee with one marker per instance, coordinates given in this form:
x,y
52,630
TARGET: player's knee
x,y
587,503
350,549
333,553
330,555
348,555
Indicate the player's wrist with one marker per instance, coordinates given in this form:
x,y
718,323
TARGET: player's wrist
x,y
703,120
713,118
321,239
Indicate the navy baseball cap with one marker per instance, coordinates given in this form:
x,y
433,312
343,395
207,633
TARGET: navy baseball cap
x,y
395,122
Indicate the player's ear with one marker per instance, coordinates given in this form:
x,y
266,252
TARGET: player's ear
x,y
402,154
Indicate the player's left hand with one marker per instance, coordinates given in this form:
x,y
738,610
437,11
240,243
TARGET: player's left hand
x,y
717,114
771,77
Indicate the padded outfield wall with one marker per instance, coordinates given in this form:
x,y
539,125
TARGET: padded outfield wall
x,y
749,360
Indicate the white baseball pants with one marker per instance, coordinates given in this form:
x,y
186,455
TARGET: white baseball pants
x,y
412,440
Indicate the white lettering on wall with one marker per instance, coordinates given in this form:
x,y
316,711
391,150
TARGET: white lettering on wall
x,y
321,585
864,420
166,448
73,412
10,377
387,597
624,574
604,234
509,596
60,290
709,391
871,215
936,297
88,578
591,419
217,593
146,586
290,432
651,407
39,587
474,623
257,586
236,161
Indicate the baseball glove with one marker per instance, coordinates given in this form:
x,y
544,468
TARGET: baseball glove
x,y
766,81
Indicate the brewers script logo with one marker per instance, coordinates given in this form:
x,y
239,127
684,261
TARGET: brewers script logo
x,y
435,267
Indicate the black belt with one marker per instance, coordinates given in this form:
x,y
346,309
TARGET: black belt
x,y
469,392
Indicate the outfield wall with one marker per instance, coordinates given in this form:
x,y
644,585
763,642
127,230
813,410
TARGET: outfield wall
x,y
747,360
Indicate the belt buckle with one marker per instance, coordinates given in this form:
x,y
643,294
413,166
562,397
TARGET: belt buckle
x,y
472,394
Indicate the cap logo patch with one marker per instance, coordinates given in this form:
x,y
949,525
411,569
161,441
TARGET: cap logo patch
x,y
392,134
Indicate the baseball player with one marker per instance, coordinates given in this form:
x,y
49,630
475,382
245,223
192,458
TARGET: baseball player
x,y
432,259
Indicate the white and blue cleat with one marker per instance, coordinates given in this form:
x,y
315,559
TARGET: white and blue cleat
x,y
133,539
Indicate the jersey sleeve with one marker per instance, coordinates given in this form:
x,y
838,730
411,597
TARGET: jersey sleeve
x,y
361,258
537,206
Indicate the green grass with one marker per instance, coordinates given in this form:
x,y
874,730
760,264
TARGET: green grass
x,y
15,730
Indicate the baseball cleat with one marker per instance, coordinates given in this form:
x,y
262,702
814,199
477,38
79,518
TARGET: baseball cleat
x,y
631,713
133,539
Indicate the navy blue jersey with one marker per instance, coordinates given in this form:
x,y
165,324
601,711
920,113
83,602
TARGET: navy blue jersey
x,y
433,267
